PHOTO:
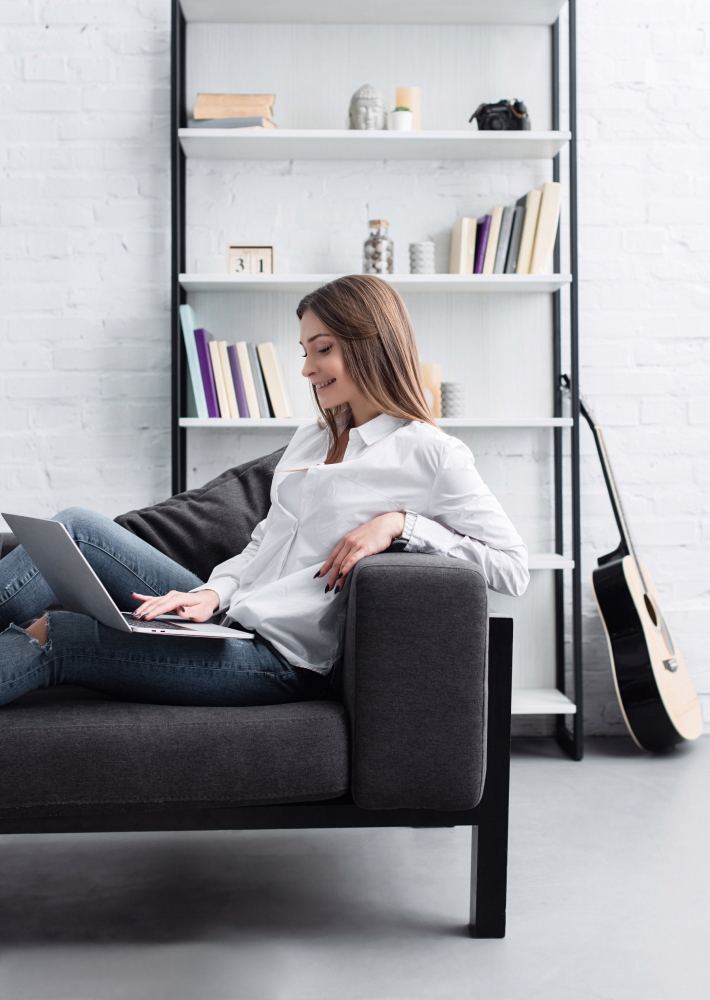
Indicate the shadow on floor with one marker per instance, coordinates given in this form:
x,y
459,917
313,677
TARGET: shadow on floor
x,y
169,888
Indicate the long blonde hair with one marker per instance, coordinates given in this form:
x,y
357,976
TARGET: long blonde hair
x,y
373,327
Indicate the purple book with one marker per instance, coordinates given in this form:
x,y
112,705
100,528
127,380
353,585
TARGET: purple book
x,y
238,381
202,338
484,228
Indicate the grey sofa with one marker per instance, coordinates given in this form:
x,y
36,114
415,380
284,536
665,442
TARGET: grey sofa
x,y
415,733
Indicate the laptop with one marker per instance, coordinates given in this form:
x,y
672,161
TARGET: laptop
x,y
60,561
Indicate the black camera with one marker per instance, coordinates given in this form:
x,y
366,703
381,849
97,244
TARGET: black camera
x,y
505,116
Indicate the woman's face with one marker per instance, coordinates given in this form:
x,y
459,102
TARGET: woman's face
x,y
324,365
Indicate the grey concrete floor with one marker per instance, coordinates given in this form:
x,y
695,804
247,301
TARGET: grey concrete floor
x,y
609,897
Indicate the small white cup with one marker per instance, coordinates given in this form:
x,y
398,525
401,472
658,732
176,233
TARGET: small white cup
x,y
400,121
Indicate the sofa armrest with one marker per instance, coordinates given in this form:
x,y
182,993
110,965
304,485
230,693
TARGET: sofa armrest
x,y
414,682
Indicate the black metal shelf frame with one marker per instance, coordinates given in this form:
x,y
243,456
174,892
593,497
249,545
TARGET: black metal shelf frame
x,y
571,740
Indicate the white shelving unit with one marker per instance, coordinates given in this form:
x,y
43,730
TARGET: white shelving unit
x,y
470,284
493,329
341,144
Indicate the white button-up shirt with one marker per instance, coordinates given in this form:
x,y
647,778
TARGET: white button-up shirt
x,y
389,465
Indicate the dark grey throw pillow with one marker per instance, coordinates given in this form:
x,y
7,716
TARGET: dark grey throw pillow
x,y
201,528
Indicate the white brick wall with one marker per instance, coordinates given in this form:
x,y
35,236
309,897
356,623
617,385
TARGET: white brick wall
x,y
644,70
84,213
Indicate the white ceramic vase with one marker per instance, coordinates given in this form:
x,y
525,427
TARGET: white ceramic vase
x,y
400,121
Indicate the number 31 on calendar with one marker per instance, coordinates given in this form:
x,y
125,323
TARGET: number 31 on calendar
x,y
250,259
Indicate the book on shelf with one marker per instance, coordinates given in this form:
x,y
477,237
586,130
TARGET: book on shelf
x,y
258,376
202,340
242,406
218,374
527,238
463,246
234,106
483,229
511,262
546,233
248,379
187,322
506,225
254,121
273,377
493,236
228,380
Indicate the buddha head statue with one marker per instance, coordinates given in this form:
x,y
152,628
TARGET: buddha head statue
x,y
367,108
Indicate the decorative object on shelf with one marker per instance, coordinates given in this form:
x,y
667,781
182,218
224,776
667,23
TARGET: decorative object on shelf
x,y
411,97
453,399
431,377
367,108
400,120
234,106
378,250
250,259
421,258
463,247
505,116
252,122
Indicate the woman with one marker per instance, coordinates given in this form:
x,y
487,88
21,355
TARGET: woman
x,y
373,470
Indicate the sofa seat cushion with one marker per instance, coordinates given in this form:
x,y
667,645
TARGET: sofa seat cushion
x,y
65,750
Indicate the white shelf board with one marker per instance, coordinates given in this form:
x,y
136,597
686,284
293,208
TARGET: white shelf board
x,y
541,701
346,144
466,283
374,11
549,560
273,423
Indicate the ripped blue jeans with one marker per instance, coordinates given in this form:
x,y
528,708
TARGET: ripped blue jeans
x,y
147,668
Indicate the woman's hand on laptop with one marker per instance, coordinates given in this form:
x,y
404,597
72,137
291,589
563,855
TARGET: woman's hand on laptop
x,y
196,607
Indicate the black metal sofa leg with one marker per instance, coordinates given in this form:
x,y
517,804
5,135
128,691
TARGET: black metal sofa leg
x,y
489,864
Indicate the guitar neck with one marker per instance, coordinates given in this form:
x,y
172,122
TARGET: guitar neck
x,y
626,546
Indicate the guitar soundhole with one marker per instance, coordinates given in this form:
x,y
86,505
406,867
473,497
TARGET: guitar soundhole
x,y
650,608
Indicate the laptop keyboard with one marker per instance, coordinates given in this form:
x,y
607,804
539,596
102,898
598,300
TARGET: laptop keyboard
x,y
168,626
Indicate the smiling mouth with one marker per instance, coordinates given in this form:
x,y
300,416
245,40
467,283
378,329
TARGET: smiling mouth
x,y
321,385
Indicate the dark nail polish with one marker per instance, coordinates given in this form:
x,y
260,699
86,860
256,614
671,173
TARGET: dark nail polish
x,y
327,588
337,590
181,608
339,576
317,575
143,617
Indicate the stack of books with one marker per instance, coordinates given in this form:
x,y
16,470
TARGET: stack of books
x,y
233,111
519,239
232,380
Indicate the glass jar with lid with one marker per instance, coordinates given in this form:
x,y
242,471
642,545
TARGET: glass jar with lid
x,y
379,249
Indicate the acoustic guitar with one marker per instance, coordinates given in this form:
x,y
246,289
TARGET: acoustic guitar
x,y
655,691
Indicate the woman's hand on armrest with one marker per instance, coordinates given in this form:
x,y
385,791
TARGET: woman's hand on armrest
x,y
370,538
197,607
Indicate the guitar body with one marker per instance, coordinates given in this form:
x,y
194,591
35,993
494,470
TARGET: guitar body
x,y
655,690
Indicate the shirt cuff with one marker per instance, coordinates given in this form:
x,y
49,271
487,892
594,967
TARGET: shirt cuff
x,y
431,537
224,589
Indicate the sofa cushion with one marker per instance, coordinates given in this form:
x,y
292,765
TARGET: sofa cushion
x,y
66,750
201,528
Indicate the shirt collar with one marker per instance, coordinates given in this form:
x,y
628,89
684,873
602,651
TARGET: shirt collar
x,y
377,428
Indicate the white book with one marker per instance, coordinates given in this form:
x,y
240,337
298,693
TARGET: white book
x,y
187,321
273,377
228,380
219,385
547,223
527,240
463,247
247,379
